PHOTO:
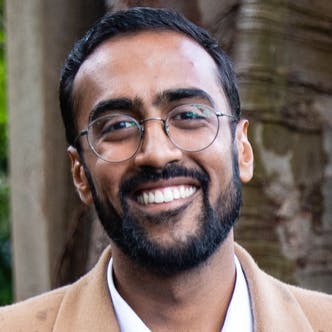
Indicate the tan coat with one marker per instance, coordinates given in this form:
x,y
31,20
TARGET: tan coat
x,y
86,305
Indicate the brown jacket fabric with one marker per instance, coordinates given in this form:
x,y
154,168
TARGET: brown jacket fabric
x,y
86,305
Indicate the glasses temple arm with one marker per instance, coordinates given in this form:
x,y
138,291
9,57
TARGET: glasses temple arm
x,y
219,114
81,133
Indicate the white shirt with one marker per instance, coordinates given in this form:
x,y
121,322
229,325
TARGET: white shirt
x,y
238,316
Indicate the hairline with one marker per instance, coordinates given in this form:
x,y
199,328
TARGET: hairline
x,y
75,101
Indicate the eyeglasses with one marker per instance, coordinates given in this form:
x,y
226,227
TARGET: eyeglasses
x,y
117,137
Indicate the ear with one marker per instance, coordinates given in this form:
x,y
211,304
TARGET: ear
x,y
79,177
245,153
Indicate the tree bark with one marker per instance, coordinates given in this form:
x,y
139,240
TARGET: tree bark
x,y
282,52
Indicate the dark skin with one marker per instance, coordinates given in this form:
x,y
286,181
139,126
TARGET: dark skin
x,y
194,300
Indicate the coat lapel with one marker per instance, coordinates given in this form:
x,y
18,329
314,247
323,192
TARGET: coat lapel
x,y
274,307
87,306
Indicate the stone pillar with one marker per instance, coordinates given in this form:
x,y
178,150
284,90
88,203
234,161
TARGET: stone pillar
x,y
39,35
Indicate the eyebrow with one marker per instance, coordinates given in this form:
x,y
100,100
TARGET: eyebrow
x,y
182,93
114,104
163,98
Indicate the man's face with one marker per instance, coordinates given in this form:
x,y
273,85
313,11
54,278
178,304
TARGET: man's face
x,y
152,70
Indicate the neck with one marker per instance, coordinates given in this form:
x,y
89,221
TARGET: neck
x,y
195,300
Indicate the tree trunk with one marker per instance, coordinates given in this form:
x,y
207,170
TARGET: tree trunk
x,y
282,52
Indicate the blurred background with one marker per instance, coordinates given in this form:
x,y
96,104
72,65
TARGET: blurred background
x,y
6,293
282,54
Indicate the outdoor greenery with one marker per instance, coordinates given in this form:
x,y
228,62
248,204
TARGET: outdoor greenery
x,y
5,253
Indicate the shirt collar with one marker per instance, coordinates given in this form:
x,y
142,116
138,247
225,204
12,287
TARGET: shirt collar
x,y
238,316
127,318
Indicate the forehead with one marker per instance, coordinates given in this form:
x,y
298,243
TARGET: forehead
x,y
141,66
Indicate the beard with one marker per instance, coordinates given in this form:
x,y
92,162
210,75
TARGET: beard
x,y
129,234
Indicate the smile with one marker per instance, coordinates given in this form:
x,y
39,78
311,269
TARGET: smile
x,y
165,195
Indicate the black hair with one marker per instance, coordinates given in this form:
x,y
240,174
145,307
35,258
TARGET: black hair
x,y
132,21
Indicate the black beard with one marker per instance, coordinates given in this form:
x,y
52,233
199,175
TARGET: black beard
x,y
132,239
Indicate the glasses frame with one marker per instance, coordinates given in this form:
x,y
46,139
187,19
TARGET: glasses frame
x,y
140,126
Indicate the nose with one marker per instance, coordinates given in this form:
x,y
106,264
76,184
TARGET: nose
x,y
156,150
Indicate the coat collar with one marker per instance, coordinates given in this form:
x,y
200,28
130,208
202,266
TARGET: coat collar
x,y
273,304
87,305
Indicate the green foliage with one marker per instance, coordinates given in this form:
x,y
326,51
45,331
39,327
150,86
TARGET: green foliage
x,y
5,252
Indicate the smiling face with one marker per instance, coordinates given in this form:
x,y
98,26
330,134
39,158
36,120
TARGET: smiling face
x,y
163,198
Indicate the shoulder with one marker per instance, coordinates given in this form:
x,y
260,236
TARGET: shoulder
x,y
81,306
284,307
35,314
317,306
313,307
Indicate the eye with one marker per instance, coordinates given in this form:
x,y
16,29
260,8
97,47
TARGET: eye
x,y
113,128
190,117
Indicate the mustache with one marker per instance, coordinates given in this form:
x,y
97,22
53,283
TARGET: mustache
x,y
148,173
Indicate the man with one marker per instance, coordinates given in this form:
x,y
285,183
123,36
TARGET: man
x,y
156,142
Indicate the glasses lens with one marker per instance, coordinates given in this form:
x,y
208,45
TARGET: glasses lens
x,y
114,138
192,127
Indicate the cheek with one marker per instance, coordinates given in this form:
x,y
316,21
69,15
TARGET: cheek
x,y
217,161
107,179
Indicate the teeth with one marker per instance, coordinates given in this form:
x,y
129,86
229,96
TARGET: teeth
x,y
151,198
145,198
168,195
165,195
176,193
159,197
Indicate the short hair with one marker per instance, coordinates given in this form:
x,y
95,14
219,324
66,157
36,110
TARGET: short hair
x,y
132,21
